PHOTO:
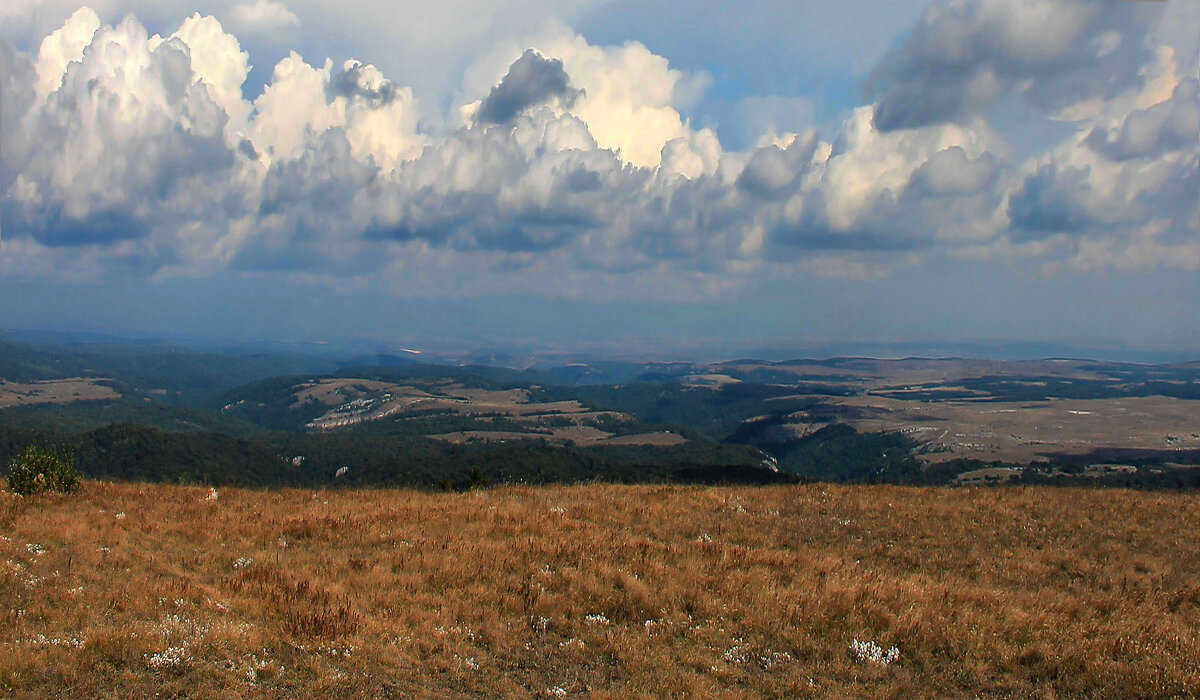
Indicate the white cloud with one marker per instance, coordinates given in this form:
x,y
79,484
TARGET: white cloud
x,y
62,47
262,16
1124,191
630,96
219,63
130,154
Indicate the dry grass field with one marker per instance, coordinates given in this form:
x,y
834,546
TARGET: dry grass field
x,y
127,590
54,391
1027,431
356,401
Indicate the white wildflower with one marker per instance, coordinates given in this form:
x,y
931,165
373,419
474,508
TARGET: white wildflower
x,y
862,652
65,642
169,657
769,661
738,654
596,619
120,516
212,495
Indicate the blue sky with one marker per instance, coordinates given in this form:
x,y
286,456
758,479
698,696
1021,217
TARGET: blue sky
x,y
610,177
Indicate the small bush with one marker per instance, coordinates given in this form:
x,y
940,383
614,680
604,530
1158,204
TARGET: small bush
x,y
41,468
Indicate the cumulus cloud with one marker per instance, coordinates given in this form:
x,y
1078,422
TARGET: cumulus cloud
x,y
964,55
128,126
629,97
262,16
577,171
1125,190
63,46
1170,125
218,63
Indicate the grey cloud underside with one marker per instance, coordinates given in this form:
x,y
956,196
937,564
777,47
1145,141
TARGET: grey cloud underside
x,y
1061,199
518,201
353,81
531,80
54,230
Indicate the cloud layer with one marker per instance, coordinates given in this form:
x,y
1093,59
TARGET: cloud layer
x,y
575,171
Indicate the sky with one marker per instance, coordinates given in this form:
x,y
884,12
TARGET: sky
x,y
605,176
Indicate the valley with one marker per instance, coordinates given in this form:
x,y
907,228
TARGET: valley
x,y
402,422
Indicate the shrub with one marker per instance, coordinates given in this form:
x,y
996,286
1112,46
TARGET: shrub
x,y
42,468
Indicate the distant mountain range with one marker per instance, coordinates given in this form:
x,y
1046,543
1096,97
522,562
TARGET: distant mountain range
x,y
368,352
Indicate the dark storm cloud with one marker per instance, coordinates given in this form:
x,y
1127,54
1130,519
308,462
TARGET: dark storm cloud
x,y
531,80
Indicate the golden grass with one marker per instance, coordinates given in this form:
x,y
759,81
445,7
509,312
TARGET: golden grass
x,y
55,391
610,591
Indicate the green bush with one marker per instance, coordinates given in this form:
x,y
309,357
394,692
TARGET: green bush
x,y
41,468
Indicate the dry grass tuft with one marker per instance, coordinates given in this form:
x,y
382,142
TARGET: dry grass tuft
x,y
133,590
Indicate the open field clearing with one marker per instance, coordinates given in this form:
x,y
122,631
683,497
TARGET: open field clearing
x,y
1027,431
128,590
54,391
356,401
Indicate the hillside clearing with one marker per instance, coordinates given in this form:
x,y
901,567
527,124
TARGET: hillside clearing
x,y
54,391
